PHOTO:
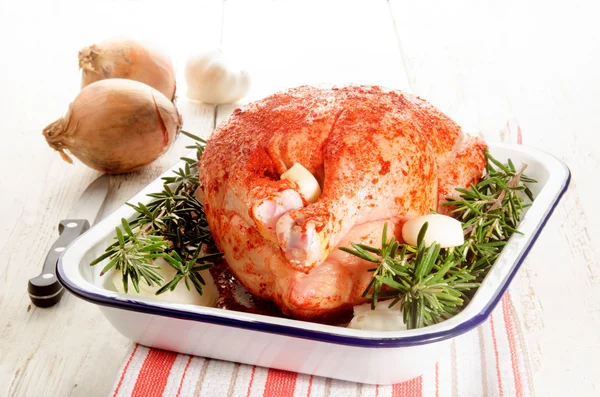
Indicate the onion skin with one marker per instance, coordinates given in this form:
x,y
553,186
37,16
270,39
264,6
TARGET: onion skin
x,y
116,126
127,59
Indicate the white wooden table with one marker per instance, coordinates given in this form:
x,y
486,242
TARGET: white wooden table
x,y
507,70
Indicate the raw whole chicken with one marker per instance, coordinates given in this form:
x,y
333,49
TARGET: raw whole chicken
x,y
379,156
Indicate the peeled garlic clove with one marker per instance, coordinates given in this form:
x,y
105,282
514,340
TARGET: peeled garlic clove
x,y
381,319
443,229
214,78
179,295
309,187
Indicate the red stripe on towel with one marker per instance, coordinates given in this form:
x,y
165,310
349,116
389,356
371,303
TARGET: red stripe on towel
x,y
411,388
280,383
183,375
512,344
309,386
501,392
125,370
437,380
251,380
154,374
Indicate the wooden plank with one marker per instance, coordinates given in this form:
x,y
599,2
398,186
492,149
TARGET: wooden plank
x,y
506,71
286,44
70,349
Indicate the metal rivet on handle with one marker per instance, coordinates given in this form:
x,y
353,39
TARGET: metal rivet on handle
x,y
47,275
71,224
59,249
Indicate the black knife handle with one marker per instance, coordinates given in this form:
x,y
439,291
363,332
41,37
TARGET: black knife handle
x,y
45,290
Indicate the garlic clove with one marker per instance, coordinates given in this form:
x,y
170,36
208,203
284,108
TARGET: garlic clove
x,y
307,183
212,77
443,229
179,295
381,319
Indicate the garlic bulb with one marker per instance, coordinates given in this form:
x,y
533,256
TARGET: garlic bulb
x,y
443,229
381,319
214,78
179,295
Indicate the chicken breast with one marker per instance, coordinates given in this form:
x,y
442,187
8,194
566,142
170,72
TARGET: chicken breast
x,y
379,156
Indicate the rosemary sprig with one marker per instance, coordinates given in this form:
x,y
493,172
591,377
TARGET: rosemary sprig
x,y
490,213
424,281
131,254
172,226
188,270
432,284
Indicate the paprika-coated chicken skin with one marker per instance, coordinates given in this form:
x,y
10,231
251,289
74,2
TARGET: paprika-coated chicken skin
x,y
379,156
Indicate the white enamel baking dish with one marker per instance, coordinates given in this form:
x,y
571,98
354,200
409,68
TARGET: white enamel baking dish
x,y
300,346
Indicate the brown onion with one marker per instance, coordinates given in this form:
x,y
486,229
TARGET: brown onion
x,y
127,59
116,126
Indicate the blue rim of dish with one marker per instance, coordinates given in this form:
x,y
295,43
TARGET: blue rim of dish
x,y
285,330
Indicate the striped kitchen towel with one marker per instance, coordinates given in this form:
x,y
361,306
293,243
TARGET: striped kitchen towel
x,y
489,361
